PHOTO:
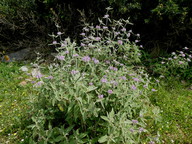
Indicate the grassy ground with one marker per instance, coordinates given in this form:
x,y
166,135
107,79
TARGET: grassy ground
x,y
14,93
173,97
175,101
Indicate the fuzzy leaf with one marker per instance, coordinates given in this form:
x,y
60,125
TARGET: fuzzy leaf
x,y
103,139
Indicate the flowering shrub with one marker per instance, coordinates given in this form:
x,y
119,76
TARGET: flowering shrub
x,y
178,63
94,93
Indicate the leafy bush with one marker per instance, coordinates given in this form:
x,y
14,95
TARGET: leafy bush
x,y
177,64
93,92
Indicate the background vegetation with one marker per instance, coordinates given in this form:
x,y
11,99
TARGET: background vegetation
x,y
163,25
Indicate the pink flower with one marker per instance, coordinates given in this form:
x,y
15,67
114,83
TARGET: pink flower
x,y
110,91
75,55
60,57
133,87
120,42
73,72
54,42
90,83
82,44
59,33
97,27
123,78
123,29
154,90
86,59
180,62
100,96
66,52
106,16
104,80
97,38
134,121
136,79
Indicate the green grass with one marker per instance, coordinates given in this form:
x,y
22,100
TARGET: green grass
x,y
13,103
175,102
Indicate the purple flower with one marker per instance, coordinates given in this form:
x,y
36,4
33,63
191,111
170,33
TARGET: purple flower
x,y
59,33
131,74
114,83
108,41
133,87
157,81
154,90
135,121
132,130
123,29
116,33
73,72
49,77
104,80
136,41
96,61
190,56
97,38
145,86
136,79
115,69
90,83
107,62
86,59
75,55
32,82
86,29
60,57
183,55
180,62
188,60
39,75
63,45
54,42
106,16
120,42
100,96
181,52
82,34
151,142
110,91
97,27
175,57
38,84
141,129
82,44
123,78
104,27
66,52
186,48
111,68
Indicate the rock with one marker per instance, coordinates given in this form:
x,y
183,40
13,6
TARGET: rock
x,y
17,56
